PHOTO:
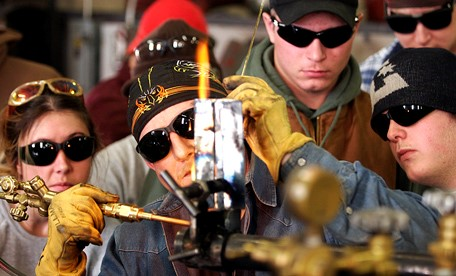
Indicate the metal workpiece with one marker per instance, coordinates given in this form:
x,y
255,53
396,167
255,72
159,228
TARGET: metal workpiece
x,y
219,148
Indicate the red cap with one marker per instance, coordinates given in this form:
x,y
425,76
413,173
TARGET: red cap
x,y
163,10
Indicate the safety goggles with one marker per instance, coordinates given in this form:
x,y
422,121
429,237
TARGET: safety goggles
x,y
300,37
43,153
156,144
404,115
29,91
183,45
434,20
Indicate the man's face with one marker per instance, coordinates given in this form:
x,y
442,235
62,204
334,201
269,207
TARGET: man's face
x,y
425,150
313,70
425,37
180,159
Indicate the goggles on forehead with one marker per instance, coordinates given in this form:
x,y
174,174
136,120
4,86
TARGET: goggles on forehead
x,y
404,115
156,144
434,20
44,153
30,90
183,45
300,37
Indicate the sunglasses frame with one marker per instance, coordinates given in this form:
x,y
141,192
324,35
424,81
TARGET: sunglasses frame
x,y
321,35
173,44
381,122
15,98
160,150
444,13
24,152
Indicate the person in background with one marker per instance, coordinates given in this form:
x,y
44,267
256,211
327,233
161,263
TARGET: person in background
x,y
122,170
105,101
306,58
414,107
47,132
15,71
416,24
163,123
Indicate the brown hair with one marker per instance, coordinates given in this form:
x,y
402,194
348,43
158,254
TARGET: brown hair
x,y
19,123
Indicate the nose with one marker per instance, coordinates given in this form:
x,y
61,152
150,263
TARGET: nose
x,y
316,51
61,163
395,132
181,148
422,34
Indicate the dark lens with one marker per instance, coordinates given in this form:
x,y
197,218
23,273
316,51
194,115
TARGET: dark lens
x,y
184,124
380,124
154,146
402,23
39,154
79,148
296,36
404,115
407,115
335,37
437,20
150,49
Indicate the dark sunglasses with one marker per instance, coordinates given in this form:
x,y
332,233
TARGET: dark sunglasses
x,y
30,90
404,115
434,20
156,144
43,153
300,37
183,45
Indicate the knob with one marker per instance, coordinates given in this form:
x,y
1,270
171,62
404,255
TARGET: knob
x,y
443,201
381,220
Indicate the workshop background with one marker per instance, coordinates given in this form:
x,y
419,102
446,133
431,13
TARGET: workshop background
x,y
86,39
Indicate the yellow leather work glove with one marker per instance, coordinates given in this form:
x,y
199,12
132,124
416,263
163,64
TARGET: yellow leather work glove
x,y
75,220
266,125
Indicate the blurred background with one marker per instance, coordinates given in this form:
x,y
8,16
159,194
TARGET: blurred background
x,y
86,39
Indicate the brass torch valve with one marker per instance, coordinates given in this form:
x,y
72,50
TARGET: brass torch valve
x,y
444,249
378,257
35,193
314,196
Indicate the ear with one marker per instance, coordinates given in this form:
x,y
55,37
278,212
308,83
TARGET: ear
x,y
19,169
269,26
150,165
360,19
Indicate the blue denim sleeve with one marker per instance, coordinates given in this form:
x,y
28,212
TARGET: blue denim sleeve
x,y
364,189
137,248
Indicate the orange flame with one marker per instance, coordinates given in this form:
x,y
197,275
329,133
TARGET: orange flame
x,y
202,57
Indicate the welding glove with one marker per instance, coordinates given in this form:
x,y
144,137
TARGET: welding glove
x,y
75,220
266,125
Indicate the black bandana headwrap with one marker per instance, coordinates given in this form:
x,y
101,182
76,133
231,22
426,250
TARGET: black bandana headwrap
x,y
166,84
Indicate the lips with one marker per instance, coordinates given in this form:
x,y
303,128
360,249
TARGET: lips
x,y
59,187
404,154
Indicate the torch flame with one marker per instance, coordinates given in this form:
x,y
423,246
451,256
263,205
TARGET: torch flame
x,y
202,57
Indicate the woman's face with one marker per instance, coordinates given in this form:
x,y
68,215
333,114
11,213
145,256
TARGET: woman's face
x,y
56,127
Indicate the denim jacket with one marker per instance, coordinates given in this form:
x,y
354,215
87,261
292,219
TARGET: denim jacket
x,y
143,248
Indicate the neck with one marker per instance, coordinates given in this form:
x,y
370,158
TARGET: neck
x,y
36,224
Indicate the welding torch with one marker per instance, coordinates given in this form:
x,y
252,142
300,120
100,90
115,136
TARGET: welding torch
x,y
36,194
